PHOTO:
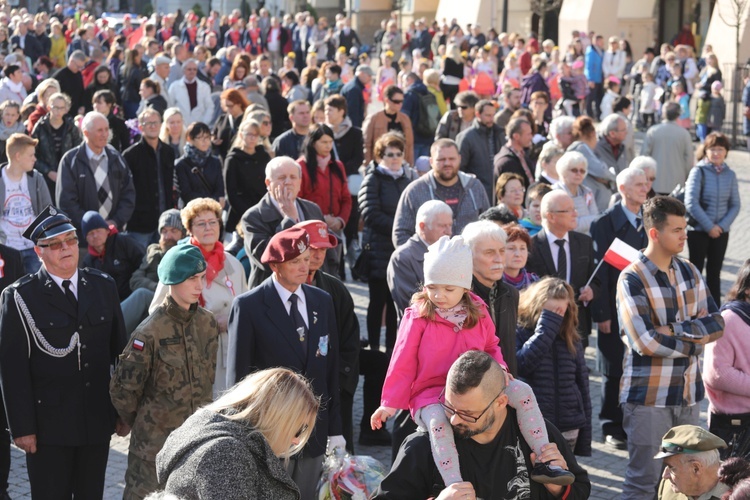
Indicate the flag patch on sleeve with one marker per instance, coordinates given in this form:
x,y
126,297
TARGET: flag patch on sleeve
x,y
138,344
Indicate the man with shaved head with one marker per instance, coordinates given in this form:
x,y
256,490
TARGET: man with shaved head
x,y
557,250
492,454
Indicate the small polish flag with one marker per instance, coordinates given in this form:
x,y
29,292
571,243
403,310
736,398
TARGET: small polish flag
x,y
620,254
138,345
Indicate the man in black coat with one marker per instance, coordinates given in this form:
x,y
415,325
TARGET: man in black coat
x,y
559,219
284,322
622,221
290,142
61,330
71,82
151,163
28,42
353,93
346,319
11,270
512,156
278,210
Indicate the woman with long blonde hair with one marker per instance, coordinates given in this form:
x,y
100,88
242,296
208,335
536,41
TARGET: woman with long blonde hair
x,y
173,132
238,446
550,359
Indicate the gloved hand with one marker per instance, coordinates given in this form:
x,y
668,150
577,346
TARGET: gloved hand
x,y
335,442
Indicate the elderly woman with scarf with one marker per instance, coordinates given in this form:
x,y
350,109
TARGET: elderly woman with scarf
x,y
225,276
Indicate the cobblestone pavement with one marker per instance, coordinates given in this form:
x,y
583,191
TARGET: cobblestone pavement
x,y
606,467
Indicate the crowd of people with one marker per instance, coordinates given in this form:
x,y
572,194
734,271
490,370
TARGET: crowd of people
x,y
184,198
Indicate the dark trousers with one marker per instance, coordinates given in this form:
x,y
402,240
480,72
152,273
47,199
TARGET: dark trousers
x,y
346,403
373,364
351,232
708,251
62,472
4,448
380,297
611,352
594,101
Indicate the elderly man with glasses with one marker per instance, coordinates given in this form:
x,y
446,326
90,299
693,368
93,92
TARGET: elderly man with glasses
x,y
494,457
61,330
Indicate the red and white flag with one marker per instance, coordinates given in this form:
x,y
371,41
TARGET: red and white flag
x,y
620,254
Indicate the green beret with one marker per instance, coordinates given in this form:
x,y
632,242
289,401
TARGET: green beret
x,y
180,263
688,439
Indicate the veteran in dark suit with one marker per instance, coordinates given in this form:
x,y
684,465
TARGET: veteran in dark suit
x,y
284,322
559,251
622,221
61,330
279,209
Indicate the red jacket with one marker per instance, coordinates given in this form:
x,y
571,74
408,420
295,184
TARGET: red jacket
x,y
330,193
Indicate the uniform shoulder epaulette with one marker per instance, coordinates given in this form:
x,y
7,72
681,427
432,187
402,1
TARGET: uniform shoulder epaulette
x,y
95,272
24,281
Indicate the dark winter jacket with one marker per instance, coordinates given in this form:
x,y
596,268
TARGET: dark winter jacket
x,y
122,256
533,82
502,304
141,159
349,146
93,87
378,199
120,133
245,176
211,456
478,146
47,159
190,183
279,117
411,108
560,380
356,107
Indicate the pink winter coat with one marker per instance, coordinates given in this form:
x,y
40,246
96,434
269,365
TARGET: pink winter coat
x,y
425,351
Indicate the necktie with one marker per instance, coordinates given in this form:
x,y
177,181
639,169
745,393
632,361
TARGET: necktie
x,y
69,294
562,261
299,322
103,192
638,223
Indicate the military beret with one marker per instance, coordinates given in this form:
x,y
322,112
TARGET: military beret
x,y
688,439
180,263
50,222
319,235
286,245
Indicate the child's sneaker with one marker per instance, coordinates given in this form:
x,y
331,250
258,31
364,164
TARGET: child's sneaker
x,y
551,474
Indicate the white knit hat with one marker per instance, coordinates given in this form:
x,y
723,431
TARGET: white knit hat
x,y
448,261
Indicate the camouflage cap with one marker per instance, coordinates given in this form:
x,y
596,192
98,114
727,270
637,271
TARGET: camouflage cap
x,y
688,439
180,263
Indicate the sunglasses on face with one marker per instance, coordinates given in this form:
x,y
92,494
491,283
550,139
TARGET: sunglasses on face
x,y
57,245
397,154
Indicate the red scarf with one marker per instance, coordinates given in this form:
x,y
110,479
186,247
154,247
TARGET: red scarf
x,y
100,256
214,259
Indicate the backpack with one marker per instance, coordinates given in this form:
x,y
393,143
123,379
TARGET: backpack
x,y
429,115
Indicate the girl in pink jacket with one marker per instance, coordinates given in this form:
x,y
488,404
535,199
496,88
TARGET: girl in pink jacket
x,y
444,321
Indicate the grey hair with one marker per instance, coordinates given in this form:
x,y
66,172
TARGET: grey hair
x,y
475,232
88,120
705,458
627,175
431,209
643,162
610,123
570,160
78,55
560,125
550,151
280,161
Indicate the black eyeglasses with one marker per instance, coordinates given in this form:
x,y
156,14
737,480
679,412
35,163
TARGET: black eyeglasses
x,y
396,102
471,419
397,154
461,106
70,241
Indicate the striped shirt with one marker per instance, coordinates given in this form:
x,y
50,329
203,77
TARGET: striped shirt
x,y
663,369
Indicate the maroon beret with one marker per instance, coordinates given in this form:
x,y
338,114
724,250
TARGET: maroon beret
x,y
319,235
286,245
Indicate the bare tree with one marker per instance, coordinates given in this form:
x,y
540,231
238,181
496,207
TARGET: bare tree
x,y
541,7
735,19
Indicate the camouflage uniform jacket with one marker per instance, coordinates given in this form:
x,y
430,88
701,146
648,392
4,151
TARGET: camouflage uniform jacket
x,y
165,374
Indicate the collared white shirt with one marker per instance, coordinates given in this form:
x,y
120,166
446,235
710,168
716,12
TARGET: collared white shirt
x,y
632,218
73,282
554,248
93,157
284,294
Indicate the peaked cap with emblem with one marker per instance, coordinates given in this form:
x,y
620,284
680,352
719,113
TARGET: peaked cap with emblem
x,y
50,222
180,263
286,245
688,439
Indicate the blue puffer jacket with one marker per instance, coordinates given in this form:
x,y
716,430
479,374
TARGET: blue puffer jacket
x,y
718,202
560,380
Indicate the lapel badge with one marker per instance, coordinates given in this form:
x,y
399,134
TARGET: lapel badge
x,y
322,346
315,317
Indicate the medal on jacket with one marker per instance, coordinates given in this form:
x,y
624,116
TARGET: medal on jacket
x,y
301,333
2,268
322,346
230,285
